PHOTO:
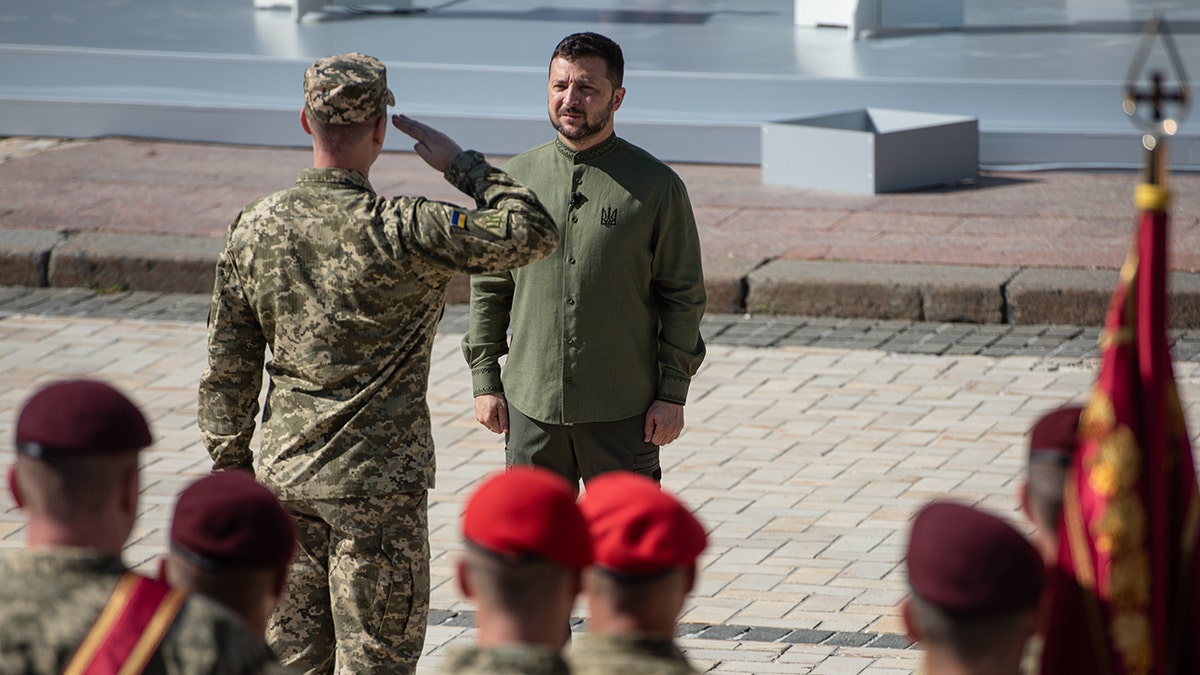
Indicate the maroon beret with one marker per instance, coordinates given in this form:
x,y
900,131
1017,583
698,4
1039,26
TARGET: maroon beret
x,y
228,520
80,417
967,561
1054,435
637,528
527,511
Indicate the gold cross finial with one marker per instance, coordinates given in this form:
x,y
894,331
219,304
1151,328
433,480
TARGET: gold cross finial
x,y
1160,96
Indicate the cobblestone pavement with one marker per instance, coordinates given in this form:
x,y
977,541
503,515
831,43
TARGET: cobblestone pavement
x,y
810,443
907,337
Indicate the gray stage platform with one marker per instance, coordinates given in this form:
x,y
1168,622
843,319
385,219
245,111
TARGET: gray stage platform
x,y
1042,76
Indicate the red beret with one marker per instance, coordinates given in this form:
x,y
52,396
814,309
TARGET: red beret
x,y
526,511
228,520
966,561
638,529
80,417
1054,435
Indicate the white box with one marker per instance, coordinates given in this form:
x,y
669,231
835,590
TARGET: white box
x,y
870,150
867,17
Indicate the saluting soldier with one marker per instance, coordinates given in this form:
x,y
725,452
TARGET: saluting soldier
x,y
645,544
345,288
68,604
525,544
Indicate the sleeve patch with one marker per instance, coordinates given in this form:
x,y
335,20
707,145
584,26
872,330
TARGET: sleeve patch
x,y
493,223
458,220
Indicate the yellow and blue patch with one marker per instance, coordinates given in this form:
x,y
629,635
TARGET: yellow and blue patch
x,y
459,220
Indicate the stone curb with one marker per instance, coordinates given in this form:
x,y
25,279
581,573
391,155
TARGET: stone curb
x,y
911,292
947,293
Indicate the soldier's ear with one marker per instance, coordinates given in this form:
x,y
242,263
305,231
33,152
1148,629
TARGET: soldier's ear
x,y
909,625
1023,499
14,486
464,584
304,122
381,127
130,492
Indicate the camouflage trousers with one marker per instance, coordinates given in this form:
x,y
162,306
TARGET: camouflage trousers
x,y
358,591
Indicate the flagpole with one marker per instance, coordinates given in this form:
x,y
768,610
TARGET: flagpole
x,y
1163,491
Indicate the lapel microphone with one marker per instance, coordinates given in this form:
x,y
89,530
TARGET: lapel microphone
x,y
577,199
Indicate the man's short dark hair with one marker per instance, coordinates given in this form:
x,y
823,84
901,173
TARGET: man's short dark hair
x,y
973,638
581,45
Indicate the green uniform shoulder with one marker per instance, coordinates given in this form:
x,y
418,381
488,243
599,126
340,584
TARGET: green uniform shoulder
x,y
508,660
602,654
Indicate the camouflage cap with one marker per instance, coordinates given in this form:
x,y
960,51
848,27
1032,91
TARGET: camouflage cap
x,y
346,89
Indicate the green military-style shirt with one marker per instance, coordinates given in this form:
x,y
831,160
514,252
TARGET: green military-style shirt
x,y
345,288
611,320
603,654
52,597
507,660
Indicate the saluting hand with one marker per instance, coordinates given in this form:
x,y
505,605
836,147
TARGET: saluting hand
x,y
436,148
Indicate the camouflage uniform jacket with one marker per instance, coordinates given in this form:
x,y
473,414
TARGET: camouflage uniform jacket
x,y
346,289
507,660
51,598
603,654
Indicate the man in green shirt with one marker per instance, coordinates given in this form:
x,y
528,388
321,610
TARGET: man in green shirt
x,y
605,331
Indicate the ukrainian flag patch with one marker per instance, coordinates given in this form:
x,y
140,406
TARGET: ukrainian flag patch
x,y
459,220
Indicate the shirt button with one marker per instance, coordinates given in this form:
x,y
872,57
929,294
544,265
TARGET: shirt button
x,y
574,219
569,380
570,301
571,260
571,341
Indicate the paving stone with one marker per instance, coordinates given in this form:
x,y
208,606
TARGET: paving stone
x,y
438,616
689,629
891,641
765,634
465,619
724,632
846,639
808,636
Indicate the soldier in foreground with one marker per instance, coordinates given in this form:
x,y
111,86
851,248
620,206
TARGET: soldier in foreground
x,y
646,544
232,541
345,288
525,544
69,603
976,590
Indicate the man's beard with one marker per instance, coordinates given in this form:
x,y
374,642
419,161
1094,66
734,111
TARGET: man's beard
x,y
585,130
